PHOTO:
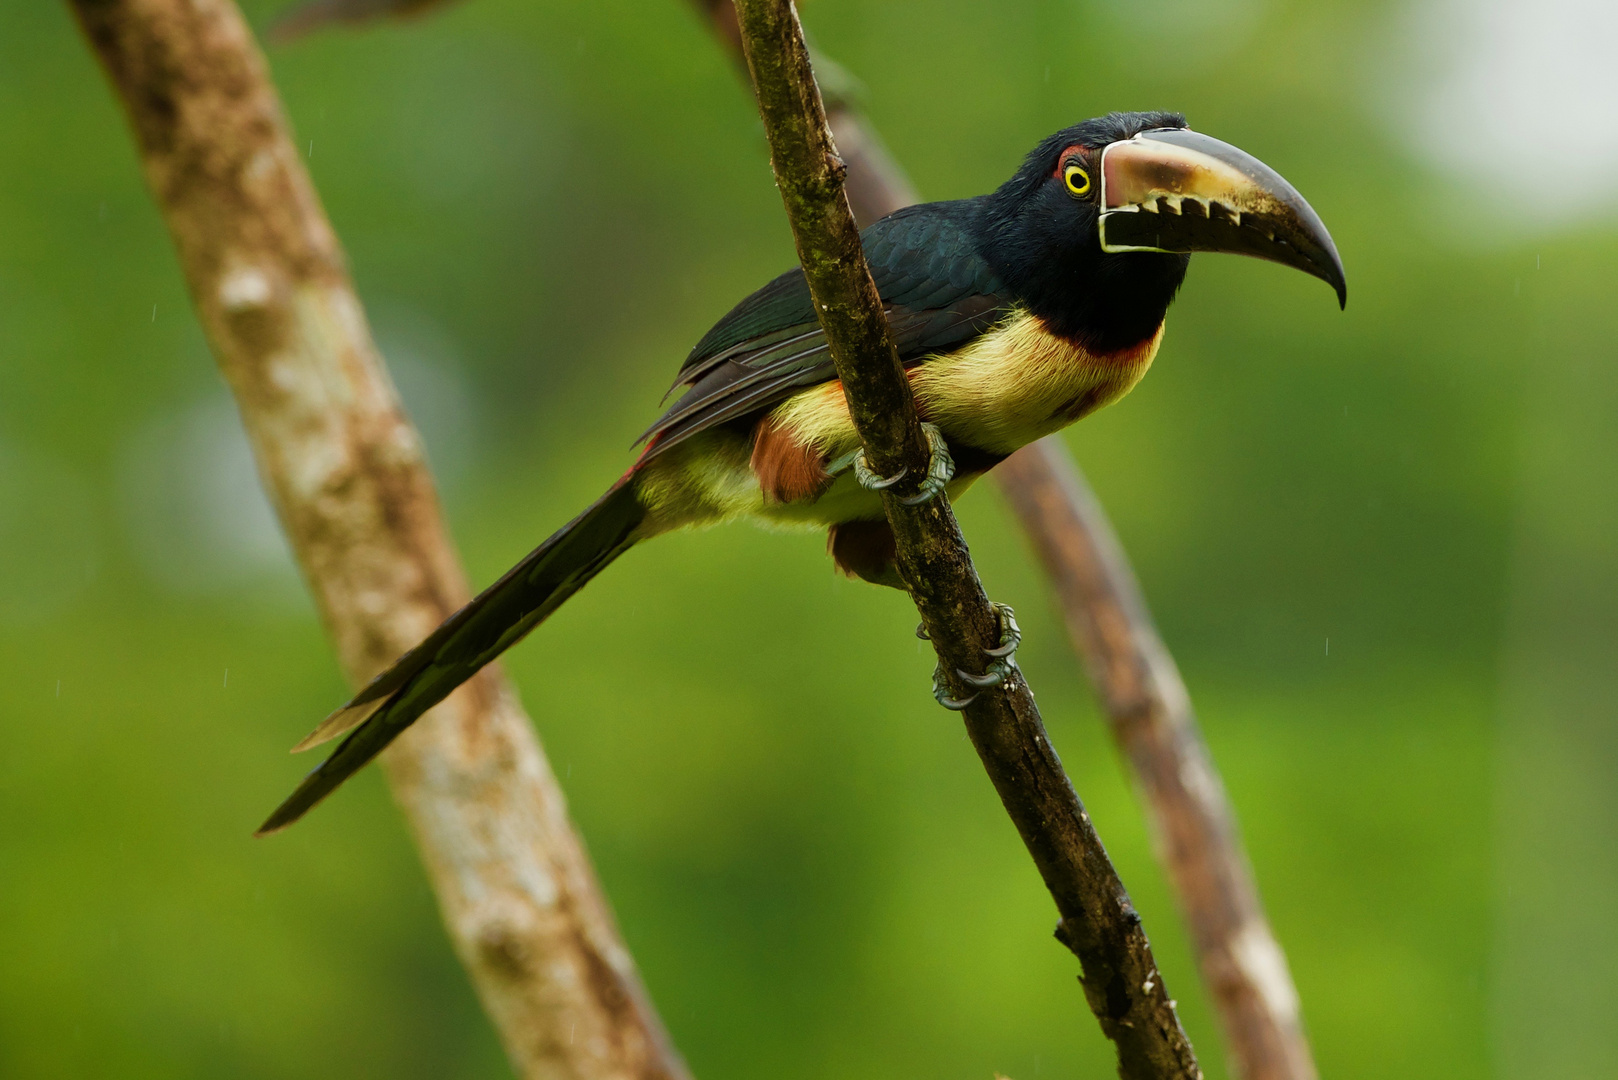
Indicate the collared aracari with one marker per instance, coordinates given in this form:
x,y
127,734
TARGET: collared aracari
x,y
1015,314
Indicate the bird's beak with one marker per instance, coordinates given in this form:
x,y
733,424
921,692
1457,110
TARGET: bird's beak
x,y
1177,190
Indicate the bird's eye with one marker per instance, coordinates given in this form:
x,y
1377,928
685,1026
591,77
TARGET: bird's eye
x,y
1077,180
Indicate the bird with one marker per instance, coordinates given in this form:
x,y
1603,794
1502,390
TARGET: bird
x,y
1015,314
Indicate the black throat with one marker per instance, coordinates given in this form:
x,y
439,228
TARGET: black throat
x,y
1047,249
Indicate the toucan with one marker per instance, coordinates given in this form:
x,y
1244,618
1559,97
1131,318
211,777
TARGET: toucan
x,y
1015,314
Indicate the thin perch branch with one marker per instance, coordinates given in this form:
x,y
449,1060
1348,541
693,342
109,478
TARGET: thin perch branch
x,y
346,473
1146,703
1121,980
1151,718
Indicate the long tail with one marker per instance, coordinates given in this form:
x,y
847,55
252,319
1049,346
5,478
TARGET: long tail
x,y
493,622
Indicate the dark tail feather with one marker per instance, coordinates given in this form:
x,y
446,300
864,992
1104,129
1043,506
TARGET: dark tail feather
x,y
496,620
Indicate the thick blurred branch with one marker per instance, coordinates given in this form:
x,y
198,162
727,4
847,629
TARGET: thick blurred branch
x,y
346,473
1121,980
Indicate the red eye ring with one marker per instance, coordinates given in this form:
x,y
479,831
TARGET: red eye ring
x,y
1077,154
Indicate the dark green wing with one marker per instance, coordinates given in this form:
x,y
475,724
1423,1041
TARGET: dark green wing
x,y
938,293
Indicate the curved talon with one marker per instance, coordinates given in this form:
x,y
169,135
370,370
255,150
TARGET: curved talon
x,y
941,694
996,675
921,632
1010,633
940,470
929,491
869,479
1001,667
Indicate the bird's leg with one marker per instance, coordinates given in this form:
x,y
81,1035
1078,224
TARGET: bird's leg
x,y
940,470
1002,662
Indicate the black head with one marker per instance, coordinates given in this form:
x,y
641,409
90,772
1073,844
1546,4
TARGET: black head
x,y
1095,230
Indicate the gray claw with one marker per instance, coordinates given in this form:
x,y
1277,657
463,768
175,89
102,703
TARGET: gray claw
x,y
993,677
941,694
1001,667
1010,633
869,479
940,470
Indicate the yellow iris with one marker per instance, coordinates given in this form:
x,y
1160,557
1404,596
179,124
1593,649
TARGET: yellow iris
x,y
1078,181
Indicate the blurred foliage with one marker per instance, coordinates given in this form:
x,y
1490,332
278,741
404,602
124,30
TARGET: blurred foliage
x,y
545,204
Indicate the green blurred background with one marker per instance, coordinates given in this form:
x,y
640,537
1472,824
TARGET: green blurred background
x,y
545,204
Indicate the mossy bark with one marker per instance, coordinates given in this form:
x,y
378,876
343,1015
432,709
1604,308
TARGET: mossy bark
x,y
1121,980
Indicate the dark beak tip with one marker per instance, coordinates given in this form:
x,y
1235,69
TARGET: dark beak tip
x,y
1332,274
1330,270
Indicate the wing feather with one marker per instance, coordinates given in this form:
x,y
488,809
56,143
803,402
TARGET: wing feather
x,y
938,292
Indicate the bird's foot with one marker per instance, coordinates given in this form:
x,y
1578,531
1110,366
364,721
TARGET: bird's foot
x,y
1002,663
940,470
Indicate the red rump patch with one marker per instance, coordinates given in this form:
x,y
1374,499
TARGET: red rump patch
x,y
787,470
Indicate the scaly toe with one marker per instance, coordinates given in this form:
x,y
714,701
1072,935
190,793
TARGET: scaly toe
x,y
941,693
940,468
1002,659
1010,634
997,673
869,479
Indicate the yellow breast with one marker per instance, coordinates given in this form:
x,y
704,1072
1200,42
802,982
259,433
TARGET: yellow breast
x,y
1015,384
1019,382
